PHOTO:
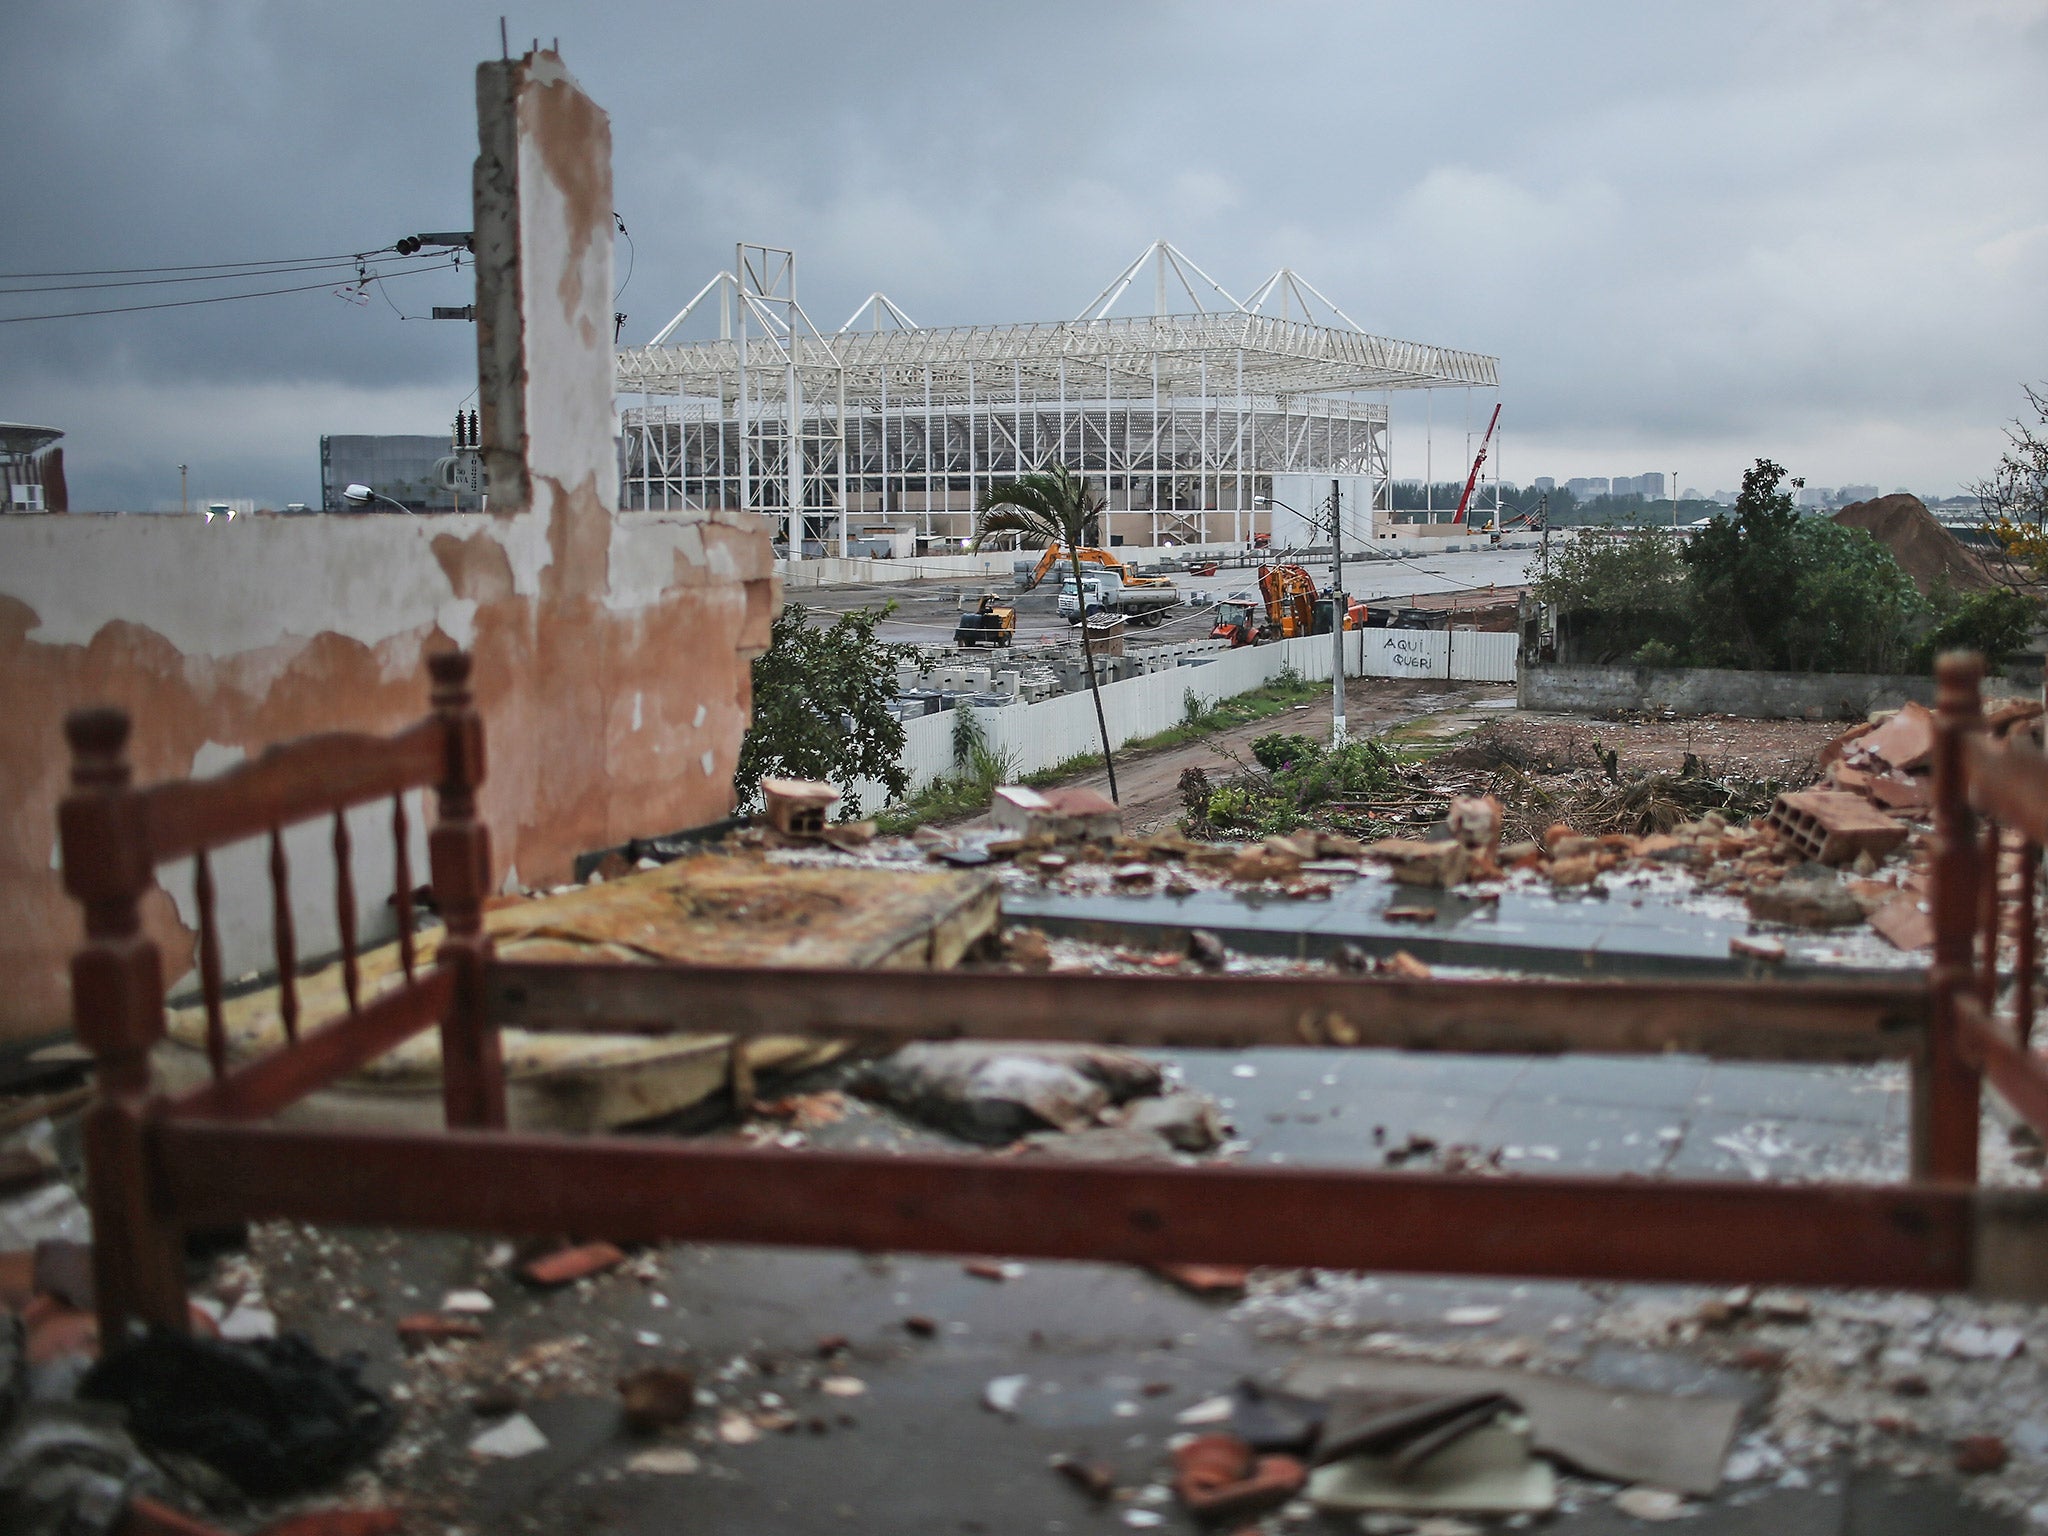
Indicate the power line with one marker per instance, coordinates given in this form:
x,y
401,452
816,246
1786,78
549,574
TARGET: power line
x,y
203,266
210,277
224,298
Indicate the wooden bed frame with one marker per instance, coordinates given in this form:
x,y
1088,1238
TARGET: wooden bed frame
x,y
159,1165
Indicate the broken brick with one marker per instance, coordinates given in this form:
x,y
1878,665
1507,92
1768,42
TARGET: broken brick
x,y
1414,862
1206,1279
1835,748
1831,827
1981,1453
1580,869
1900,794
1903,922
566,1265
433,1327
796,807
1218,1477
1906,741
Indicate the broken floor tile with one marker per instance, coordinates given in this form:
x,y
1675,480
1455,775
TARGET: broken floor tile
x,y
514,1437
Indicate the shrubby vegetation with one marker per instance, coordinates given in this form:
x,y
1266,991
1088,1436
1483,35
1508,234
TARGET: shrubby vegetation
x,y
1297,780
1764,588
821,707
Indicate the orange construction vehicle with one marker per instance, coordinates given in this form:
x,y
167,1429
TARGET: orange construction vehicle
x,y
1056,554
1287,608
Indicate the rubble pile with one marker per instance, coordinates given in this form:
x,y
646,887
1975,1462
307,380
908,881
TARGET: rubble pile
x,y
1545,775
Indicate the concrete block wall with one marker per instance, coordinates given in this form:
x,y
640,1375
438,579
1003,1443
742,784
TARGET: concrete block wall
x,y
1712,691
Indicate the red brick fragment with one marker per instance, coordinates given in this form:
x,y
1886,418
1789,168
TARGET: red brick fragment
x,y
1981,1453
1907,739
1761,1357
566,1265
1901,921
1901,794
1206,1279
1217,1477
432,1327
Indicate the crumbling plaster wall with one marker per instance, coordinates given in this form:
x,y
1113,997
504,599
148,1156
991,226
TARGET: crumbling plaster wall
x,y
611,652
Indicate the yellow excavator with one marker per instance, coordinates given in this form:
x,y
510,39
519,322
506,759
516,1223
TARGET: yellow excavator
x,y
1056,554
985,618
1288,607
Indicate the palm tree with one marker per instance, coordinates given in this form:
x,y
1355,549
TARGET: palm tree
x,y
1056,505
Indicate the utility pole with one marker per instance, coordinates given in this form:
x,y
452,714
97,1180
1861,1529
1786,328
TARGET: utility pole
x,y
183,504
1674,501
1338,608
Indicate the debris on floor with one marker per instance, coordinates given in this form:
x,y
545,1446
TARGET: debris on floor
x,y
995,1094
709,909
273,1416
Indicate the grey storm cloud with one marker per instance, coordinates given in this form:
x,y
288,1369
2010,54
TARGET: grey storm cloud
x,y
1692,236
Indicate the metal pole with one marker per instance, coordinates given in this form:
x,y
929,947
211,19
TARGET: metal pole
x,y
1337,609
184,503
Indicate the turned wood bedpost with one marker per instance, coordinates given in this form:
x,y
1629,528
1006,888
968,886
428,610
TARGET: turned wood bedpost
x,y
117,1009
1946,1087
459,851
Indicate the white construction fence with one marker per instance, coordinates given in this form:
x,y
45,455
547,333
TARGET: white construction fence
x,y
1037,736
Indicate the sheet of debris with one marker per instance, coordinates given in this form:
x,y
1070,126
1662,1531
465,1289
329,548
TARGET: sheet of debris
x,y
709,909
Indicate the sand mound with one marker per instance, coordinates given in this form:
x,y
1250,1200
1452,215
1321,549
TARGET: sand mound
x,y
1926,551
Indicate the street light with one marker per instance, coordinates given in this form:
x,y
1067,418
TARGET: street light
x,y
1339,608
362,496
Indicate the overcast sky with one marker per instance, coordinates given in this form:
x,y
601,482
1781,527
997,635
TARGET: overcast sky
x,y
1693,236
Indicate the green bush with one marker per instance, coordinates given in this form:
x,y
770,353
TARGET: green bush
x,y
821,707
1279,750
1995,624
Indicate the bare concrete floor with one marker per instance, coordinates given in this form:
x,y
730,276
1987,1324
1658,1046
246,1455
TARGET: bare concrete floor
x,y
1111,1354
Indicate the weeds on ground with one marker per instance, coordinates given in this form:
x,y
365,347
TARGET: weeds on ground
x,y
978,771
1295,781
968,790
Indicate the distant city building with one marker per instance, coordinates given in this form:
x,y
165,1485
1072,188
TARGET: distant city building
x,y
1692,493
1849,493
1545,483
1584,486
400,467
31,471
1651,485
1815,495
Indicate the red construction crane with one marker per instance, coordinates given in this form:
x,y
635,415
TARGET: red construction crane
x,y
1477,464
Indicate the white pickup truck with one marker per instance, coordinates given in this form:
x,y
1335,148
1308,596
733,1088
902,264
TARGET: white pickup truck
x,y
1107,593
